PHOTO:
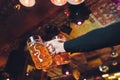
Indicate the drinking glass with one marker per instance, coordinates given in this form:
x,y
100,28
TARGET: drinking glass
x,y
63,57
39,53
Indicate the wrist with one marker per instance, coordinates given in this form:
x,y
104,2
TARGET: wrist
x,y
63,49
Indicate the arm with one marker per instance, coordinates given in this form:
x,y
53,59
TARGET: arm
x,y
96,39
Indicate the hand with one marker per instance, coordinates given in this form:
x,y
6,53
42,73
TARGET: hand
x,y
55,46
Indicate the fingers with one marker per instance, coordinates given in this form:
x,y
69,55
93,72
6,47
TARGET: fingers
x,y
50,48
54,46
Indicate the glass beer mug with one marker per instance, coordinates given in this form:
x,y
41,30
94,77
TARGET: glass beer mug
x,y
39,53
63,57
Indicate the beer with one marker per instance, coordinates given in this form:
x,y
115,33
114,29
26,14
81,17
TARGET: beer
x,y
62,58
39,53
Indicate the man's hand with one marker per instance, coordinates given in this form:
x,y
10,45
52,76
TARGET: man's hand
x,y
55,46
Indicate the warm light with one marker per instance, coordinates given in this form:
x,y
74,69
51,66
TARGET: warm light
x,y
117,74
112,77
75,2
105,75
59,2
17,6
27,3
103,68
114,63
8,79
114,54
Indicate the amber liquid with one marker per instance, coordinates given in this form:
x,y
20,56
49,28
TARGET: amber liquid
x,y
62,58
40,55
59,59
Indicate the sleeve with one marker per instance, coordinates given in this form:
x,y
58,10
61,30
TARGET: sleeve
x,y
95,39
